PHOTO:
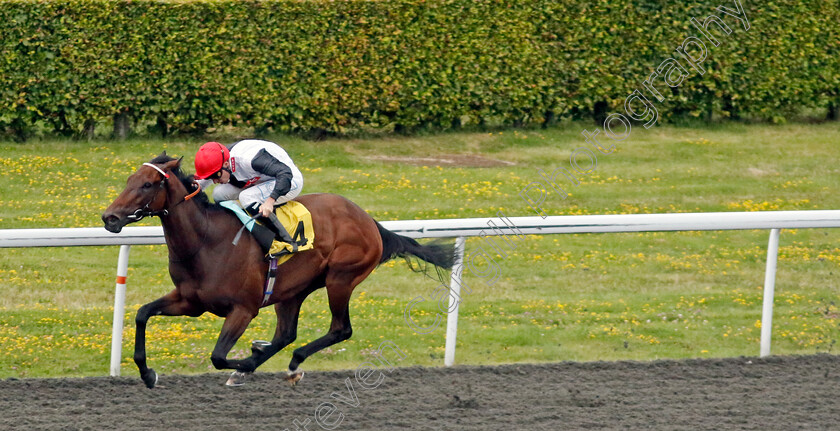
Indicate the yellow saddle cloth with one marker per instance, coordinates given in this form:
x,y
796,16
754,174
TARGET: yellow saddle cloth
x,y
298,222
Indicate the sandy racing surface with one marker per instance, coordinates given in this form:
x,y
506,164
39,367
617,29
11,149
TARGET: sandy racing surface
x,y
779,393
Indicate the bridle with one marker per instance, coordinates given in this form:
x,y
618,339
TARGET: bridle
x,y
144,212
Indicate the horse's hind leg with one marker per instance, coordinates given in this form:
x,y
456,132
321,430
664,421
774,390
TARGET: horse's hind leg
x,y
340,329
235,324
285,334
169,305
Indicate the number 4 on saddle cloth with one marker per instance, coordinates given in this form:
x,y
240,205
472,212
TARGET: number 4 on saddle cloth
x,y
295,236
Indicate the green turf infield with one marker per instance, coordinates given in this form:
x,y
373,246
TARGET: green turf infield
x,y
560,297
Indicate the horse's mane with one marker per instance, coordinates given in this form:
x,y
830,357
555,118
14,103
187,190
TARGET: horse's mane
x,y
186,179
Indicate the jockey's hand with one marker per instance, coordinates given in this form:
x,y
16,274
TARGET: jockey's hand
x,y
267,207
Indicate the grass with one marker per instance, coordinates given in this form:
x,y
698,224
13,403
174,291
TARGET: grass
x,y
570,297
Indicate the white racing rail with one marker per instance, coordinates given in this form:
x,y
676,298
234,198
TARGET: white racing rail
x,y
460,229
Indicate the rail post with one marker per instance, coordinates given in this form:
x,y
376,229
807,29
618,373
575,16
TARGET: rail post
x,y
769,291
119,310
454,302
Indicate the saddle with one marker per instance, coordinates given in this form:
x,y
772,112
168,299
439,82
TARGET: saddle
x,y
273,235
287,231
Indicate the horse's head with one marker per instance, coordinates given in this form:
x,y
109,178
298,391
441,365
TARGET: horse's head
x,y
144,194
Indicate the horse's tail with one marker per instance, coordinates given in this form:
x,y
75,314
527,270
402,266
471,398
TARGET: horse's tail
x,y
439,254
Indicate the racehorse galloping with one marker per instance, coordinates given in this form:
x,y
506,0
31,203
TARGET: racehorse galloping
x,y
213,275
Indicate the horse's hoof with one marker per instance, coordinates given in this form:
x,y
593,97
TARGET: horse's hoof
x,y
259,345
293,377
237,378
150,378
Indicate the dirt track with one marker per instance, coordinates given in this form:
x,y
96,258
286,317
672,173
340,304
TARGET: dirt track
x,y
781,393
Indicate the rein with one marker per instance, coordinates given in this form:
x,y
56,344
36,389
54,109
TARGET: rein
x,y
144,212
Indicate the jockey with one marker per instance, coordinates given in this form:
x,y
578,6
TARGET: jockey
x,y
258,173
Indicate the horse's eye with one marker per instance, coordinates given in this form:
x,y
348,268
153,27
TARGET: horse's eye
x,y
147,185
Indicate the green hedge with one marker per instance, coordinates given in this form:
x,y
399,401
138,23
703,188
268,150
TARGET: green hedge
x,y
340,66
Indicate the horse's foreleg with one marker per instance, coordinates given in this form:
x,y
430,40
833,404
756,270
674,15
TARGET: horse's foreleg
x,y
169,305
235,324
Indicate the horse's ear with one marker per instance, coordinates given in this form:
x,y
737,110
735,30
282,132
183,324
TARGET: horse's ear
x,y
173,164
163,154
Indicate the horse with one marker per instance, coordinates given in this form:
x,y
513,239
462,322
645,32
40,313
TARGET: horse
x,y
213,275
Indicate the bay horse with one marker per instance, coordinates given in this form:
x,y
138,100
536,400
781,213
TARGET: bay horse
x,y
213,275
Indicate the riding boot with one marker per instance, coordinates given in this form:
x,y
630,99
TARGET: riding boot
x,y
273,223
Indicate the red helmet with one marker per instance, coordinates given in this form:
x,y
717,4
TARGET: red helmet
x,y
209,159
